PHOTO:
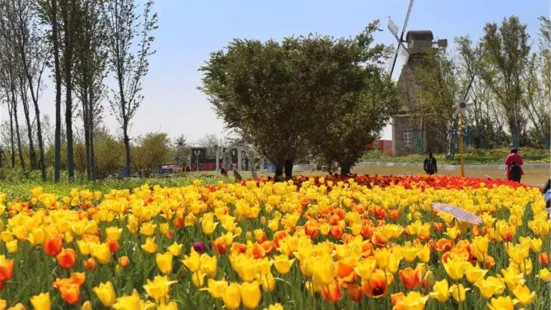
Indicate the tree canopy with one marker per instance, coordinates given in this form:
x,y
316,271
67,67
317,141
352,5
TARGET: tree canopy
x,y
330,94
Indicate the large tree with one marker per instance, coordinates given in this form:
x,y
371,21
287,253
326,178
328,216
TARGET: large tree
x,y
90,72
354,96
129,64
273,93
506,56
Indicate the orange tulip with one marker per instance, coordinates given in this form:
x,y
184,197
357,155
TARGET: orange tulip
x,y
219,245
344,270
70,293
489,262
66,258
331,292
354,291
124,261
376,286
278,236
367,248
396,298
444,245
256,251
113,246
410,278
394,214
78,278
544,258
336,232
53,245
90,264
438,226
379,239
268,247
6,268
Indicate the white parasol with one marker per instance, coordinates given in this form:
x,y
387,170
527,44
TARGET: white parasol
x,y
458,213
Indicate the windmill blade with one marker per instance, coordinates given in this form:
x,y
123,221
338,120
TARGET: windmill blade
x,y
393,28
410,7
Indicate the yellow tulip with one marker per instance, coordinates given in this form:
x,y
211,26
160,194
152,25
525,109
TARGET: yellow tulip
x,y
175,249
424,254
277,306
283,264
217,288
170,306
132,302
250,294
41,301
413,301
164,262
150,246
232,296
86,305
502,303
267,281
113,233
523,295
101,252
198,279
158,288
106,293
441,291
489,287
12,246
192,261
458,292
474,273
208,264
545,275
147,229
455,268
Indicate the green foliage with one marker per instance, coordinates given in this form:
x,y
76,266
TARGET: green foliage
x,y
329,94
150,152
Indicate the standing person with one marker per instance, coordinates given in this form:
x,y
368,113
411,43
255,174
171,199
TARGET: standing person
x,y
430,165
513,157
547,193
516,172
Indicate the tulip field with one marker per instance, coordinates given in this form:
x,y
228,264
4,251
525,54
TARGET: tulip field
x,y
364,242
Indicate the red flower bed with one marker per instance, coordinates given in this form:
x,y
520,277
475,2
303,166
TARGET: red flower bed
x,y
422,181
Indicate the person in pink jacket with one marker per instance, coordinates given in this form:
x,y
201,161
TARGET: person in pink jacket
x,y
513,157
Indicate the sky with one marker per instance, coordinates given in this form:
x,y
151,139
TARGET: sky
x,y
189,30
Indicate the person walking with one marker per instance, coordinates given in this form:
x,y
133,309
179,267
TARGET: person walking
x,y
430,165
516,172
547,194
513,157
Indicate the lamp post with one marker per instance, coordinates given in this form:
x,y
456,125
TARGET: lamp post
x,y
197,153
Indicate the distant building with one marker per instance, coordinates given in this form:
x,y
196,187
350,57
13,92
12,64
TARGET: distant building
x,y
384,146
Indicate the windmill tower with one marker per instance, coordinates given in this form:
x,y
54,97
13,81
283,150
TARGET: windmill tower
x,y
411,126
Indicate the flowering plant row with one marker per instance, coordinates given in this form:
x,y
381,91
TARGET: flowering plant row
x,y
330,243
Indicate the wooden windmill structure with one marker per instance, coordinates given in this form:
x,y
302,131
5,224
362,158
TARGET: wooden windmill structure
x,y
411,127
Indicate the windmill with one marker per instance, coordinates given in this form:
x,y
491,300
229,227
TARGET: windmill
x,y
410,122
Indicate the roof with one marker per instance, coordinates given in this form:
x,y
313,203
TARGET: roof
x,y
419,35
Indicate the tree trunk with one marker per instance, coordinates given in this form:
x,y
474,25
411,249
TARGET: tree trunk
x,y
126,147
17,130
92,156
12,141
278,172
32,154
346,168
288,169
40,141
86,122
57,161
68,59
